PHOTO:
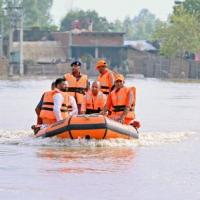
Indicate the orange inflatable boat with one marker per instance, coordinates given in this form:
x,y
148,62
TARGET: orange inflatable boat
x,y
89,127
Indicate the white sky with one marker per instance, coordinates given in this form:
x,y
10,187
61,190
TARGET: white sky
x,y
113,9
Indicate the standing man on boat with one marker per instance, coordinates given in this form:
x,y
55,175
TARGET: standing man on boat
x,y
57,104
94,100
77,83
106,77
120,102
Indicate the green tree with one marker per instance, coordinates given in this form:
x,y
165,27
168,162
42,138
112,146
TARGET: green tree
x,y
1,8
179,35
1,15
36,12
84,18
144,25
117,26
128,28
191,6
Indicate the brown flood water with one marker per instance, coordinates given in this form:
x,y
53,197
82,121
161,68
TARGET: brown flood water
x,y
162,164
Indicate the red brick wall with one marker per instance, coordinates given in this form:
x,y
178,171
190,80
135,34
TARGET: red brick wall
x,y
88,39
64,39
97,39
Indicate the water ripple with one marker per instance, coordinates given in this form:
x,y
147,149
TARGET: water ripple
x,y
146,139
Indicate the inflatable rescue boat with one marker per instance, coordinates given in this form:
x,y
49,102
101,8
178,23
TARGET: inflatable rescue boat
x,y
90,127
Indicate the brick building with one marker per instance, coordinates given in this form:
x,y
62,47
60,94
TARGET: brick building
x,y
79,44
51,53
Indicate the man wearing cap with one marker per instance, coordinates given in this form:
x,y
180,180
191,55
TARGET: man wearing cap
x,y
106,77
77,83
119,102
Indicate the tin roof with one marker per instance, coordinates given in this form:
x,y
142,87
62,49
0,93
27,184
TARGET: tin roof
x,y
140,45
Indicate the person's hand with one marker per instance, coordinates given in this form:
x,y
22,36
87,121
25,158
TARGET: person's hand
x,y
102,112
121,119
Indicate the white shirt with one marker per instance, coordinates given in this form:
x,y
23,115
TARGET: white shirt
x,y
58,100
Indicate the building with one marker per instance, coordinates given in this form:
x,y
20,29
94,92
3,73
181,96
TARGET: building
x,y
80,44
40,58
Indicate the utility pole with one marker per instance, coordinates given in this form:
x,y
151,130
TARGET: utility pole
x,y
70,45
21,63
9,13
15,14
1,39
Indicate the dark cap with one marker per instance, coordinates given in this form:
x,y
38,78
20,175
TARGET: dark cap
x,y
58,81
77,63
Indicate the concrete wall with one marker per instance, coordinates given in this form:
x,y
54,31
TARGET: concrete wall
x,y
152,65
50,70
3,67
41,51
64,39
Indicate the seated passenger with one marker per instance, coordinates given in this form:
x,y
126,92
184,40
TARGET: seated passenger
x,y
119,102
39,105
57,104
94,100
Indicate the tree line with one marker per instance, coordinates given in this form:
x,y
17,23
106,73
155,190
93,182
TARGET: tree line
x,y
37,14
139,27
179,34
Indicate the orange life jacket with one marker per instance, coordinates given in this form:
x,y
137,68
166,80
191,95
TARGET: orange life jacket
x,y
47,113
121,100
76,87
94,104
106,82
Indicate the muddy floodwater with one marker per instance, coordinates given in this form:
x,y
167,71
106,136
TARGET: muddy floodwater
x,y
163,164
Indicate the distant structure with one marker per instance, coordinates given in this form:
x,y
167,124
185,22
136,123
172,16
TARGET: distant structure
x,y
97,44
50,53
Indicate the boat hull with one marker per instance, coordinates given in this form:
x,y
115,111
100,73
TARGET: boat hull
x,y
89,127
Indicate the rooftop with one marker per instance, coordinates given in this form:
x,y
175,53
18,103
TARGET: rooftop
x,y
140,45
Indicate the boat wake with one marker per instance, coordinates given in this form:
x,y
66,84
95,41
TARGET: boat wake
x,y
22,137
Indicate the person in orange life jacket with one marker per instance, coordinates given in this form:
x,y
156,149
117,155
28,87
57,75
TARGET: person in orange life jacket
x,y
57,104
119,102
94,100
59,100
39,105
106,77
77,83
